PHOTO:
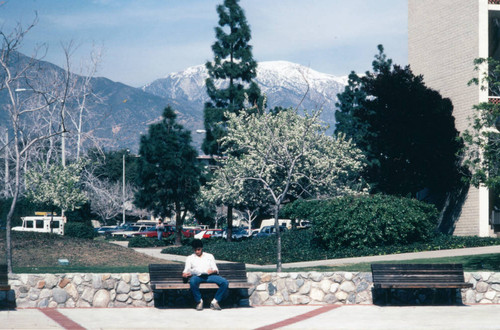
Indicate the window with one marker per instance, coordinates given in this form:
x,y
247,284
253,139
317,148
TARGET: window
x,y
29,224
39,224
54,224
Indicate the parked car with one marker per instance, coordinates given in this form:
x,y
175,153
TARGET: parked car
x,y
130,231
107,229
209,233
193,231
269,230
167,231
237,234
122,227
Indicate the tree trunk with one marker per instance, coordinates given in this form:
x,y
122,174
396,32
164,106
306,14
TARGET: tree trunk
x,y
229,230
278,238
178,224
8,239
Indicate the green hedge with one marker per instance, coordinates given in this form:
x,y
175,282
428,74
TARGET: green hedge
x,y
79,230
367,221
143,242
301,245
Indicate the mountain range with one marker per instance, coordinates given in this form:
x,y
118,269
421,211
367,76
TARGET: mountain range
x,y
284,83
125,112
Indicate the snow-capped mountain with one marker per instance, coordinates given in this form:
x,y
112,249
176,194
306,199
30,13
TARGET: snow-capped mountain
x,y
284,84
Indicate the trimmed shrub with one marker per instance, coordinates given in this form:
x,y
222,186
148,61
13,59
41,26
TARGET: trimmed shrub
x,y
302,245
143,242
368,221
79,230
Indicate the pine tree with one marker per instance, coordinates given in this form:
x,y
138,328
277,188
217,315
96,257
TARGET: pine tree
x,y
169,173
234,66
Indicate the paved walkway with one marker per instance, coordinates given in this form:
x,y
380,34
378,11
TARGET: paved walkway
x,y
156,252
263,317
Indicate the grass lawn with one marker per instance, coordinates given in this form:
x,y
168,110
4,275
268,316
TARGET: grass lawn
x,y
39,253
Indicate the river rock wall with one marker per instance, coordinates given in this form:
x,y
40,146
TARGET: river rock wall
x,y
128,290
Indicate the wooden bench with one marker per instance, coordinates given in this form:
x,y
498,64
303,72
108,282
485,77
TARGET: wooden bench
x,y
169,276
418,276
4,279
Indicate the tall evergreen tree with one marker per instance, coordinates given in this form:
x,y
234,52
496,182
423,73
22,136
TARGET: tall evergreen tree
x,y
234,67
169,173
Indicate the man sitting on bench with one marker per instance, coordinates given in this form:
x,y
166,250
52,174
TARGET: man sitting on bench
x,y
201,267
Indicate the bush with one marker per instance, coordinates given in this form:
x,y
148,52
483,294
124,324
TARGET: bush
x,y
302,245
79,230
297,245
368,221
144,242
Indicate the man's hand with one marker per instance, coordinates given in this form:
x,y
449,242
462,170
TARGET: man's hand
x,y
186,275
211,271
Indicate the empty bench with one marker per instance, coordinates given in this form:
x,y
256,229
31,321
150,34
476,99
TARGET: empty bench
x,y
169,277
418,276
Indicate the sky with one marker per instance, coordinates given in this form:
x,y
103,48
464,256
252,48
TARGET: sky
x,y
143,40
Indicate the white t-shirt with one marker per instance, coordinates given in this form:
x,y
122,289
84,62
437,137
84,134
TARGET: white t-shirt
x,y
200,265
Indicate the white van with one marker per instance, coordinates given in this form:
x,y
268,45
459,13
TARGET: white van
x,y
270,222
42,224
285,222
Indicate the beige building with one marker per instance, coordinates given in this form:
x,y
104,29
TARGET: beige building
x,y
444,37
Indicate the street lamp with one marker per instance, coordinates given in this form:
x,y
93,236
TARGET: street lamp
x,y
123,182
123,185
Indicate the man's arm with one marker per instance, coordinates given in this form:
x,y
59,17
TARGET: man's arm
x,y
187,268
213,266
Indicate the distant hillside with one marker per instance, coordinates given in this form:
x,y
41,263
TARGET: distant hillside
x,y
123,112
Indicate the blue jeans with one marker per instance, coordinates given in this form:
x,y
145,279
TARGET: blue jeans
x,y
194,284
158,233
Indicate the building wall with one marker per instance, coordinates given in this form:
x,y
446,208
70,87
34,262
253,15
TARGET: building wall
x,y
444,38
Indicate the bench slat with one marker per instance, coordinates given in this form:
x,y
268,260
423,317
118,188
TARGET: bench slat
x,y
418,276
458,285
165,286
169,276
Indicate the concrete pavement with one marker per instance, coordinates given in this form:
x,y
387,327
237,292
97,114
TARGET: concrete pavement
x,y
262,317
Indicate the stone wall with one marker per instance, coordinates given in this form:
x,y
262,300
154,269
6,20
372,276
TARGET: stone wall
x,y
128,290
310,288
81,290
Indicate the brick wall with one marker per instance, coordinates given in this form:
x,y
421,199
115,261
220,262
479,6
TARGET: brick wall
x,y
443,41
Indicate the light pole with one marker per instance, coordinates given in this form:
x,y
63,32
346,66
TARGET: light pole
x,y
123,185
126,153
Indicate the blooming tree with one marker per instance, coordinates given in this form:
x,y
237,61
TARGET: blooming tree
x,y
57,185
289,156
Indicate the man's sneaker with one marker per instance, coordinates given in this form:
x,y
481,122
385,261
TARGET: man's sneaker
x,y
215,306
199,306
